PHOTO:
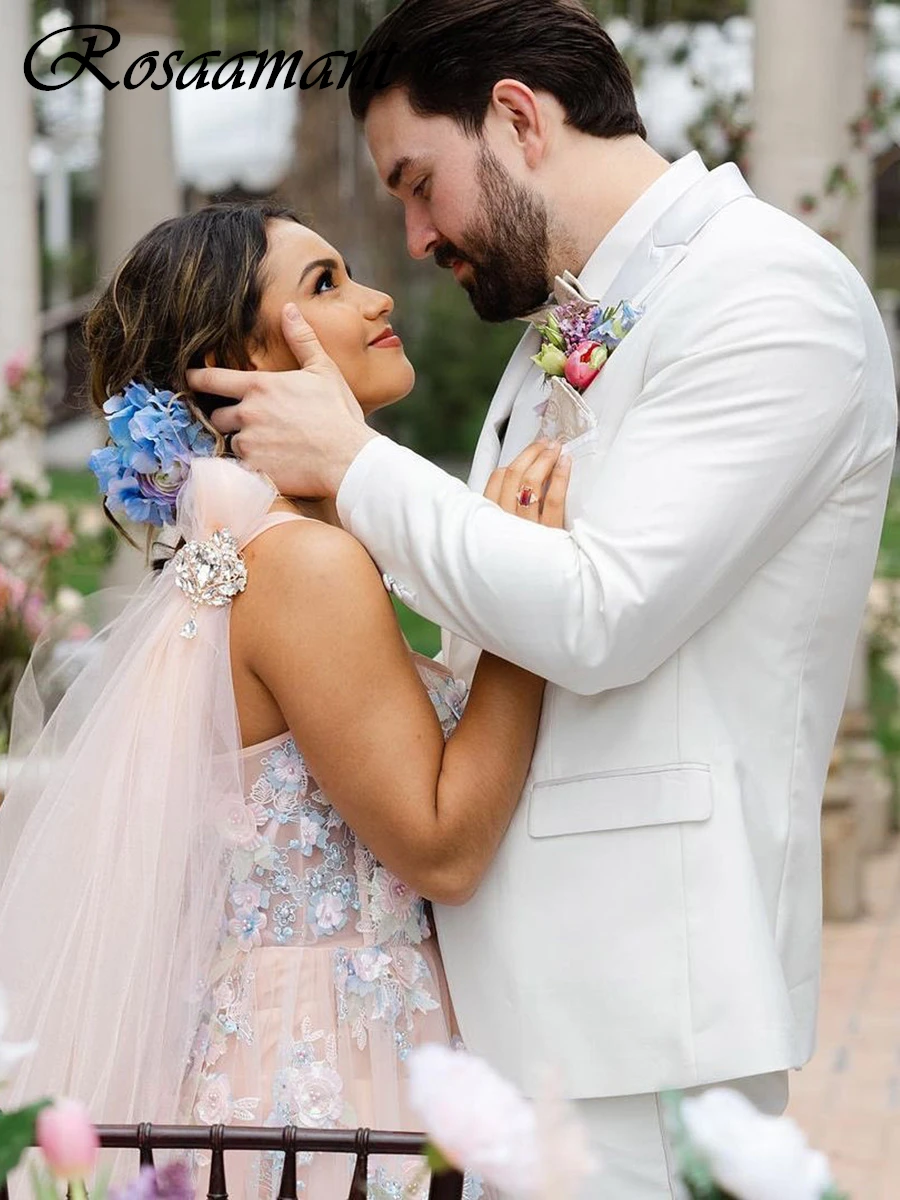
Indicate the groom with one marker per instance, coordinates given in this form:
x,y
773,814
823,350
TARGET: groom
x,y
652,919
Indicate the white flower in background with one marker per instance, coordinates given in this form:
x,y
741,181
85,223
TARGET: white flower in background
x,y
753,1156
69,601
90,521
477,1120
10,1052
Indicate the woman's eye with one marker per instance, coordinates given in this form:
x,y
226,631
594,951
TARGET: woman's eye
x,y
325,282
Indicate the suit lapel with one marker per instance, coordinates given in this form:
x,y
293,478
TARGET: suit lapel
x,y
664,246
487,452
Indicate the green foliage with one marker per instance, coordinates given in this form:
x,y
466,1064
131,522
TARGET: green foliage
x,y
459,360
16,1135
84,565
423,636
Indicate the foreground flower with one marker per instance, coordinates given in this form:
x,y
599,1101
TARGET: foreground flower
x,y
752,1156
474,1118
68,1139
172,1182
566,1157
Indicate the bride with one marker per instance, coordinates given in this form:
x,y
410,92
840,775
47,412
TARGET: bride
x,y
216,862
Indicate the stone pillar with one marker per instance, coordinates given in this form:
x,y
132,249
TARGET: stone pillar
x,y
19,242
138,184
800,111
810,67
858,225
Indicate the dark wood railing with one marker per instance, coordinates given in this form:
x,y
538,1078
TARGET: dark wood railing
x,y
218,1139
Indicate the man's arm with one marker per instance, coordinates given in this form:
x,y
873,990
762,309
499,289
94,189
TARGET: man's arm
x,y
749,419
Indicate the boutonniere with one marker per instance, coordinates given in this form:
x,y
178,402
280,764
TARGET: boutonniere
x,y
578,337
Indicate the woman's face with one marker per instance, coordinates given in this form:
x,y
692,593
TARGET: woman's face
x,y
350,321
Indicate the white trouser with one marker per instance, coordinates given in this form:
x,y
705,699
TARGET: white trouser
x,y
628,1136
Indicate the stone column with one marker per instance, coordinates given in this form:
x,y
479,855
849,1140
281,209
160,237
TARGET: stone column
x,y
19,242
862,757
138,180
800,109
858,225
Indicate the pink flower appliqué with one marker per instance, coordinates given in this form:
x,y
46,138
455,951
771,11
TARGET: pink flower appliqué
x,y
240,822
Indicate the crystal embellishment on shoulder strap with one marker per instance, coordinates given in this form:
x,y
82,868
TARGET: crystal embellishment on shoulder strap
x,y
210,572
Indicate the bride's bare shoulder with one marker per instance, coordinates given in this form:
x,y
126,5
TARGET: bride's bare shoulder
x,y
309,561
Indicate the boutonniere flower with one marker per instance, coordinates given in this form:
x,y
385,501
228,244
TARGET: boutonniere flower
x,y
578,337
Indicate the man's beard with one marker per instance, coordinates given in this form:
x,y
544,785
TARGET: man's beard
x,y
507,249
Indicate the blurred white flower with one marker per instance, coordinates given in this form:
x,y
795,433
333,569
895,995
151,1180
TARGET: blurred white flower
x,y
481,1123
69,601
566,1158
10,1052
90,521
477,1120
753,1156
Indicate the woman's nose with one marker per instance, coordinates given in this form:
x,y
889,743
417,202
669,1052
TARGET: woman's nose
x,y
377,304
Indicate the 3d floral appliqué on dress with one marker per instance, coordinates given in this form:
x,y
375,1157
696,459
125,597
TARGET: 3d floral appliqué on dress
x,y
328,973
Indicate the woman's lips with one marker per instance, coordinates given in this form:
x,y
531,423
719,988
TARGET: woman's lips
x,y
386,341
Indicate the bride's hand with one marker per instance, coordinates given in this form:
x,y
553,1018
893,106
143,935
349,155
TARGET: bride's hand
x,y
534,485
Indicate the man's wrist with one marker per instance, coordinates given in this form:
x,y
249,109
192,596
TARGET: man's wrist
x,y
357,437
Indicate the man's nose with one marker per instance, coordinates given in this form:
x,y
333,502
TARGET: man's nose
x,y
421,236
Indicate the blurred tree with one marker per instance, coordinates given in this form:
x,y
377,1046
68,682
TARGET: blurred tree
x,y
459,359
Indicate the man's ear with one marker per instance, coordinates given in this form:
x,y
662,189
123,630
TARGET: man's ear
x,y
519,113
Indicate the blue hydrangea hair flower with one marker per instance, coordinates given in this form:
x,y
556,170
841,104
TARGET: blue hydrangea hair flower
x,y
153,439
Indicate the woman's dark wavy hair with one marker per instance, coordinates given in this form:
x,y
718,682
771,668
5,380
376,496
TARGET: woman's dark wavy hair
x,y
448,54
190,289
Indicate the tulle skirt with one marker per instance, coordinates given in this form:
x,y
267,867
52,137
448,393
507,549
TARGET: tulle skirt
x,y
300,1048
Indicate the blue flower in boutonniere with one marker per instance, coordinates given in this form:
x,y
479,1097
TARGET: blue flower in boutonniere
x,y
578,337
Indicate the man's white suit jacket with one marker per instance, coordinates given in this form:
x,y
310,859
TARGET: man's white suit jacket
x,y
652,919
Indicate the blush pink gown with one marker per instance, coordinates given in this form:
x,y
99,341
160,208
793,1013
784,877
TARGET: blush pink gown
x,y
328,974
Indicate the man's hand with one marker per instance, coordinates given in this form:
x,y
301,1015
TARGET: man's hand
x,y
301,428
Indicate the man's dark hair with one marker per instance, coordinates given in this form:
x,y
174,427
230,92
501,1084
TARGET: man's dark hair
x,y
448,54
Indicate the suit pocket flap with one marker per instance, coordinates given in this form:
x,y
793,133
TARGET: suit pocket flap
x,y
661,795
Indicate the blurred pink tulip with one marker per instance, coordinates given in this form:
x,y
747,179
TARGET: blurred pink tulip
x,y
68,1139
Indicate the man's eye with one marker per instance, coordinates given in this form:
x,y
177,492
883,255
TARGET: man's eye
x,y
325,282
419,189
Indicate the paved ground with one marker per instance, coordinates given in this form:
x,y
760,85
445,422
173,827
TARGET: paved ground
x,y
848,1098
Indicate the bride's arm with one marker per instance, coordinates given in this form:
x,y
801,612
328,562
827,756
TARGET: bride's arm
x,y
317,628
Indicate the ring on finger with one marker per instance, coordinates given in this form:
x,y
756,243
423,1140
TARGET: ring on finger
x,y
526,497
